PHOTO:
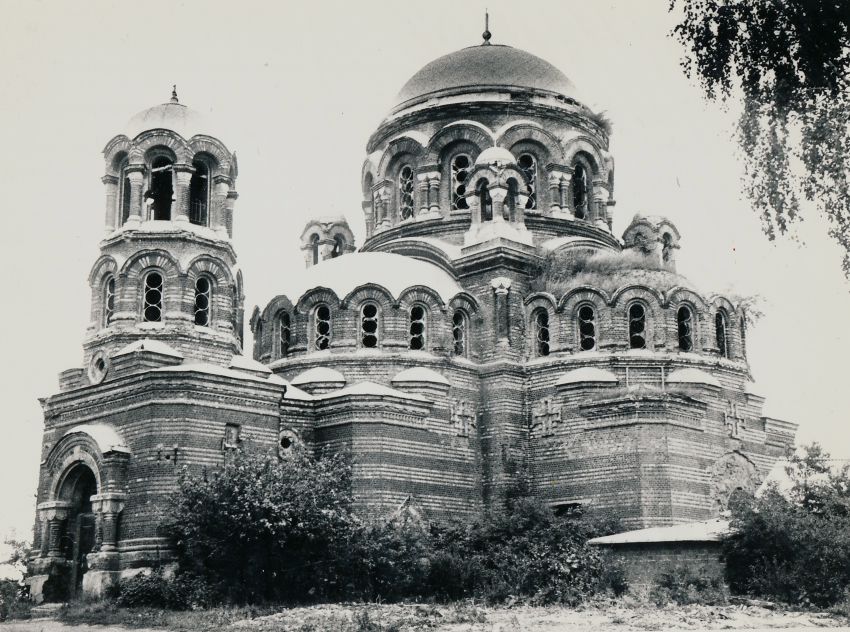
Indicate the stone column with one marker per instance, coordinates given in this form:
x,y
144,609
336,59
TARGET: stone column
x,y
434,192
422,184
501,289
182,179
555,197
498,195
217,204
136,174
112,218
108,506
600,197
229,205
54,513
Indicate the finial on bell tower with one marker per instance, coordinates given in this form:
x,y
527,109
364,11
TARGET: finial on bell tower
x,y
174,94
487,34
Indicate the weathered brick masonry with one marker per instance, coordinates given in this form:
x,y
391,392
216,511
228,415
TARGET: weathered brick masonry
x,y
491,328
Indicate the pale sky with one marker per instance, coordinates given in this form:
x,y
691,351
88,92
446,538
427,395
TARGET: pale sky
x,y
296,89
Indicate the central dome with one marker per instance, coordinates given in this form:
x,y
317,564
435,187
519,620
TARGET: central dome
x,y
485,67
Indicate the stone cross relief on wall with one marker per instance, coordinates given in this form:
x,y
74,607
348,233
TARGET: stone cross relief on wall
x,y
544,416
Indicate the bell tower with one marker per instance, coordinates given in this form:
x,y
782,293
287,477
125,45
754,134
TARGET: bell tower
x,y
167,270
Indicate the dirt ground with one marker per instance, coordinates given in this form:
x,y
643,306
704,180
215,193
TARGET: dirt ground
x,y
471,618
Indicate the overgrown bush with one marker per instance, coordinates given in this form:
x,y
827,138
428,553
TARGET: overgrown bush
x,y
155,589
262,529
14,594
795,546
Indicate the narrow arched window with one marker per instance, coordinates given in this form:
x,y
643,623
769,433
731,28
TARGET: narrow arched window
x,y
285,333
586,328
685,319
541,332
322,327
152,299
579,187
528,165
339,246
667,247
314,248
161,192
405,192
369,325
637,326
199,194
203,294
484,199
417,327
108,300
460,174
721,331
459,333
126,192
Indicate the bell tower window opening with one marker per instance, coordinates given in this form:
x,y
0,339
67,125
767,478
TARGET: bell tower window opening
x,y
369,325
322,327
666,247
203,295
161,192
314,248
460,174
108,301
285,334
637,326
405,192
579,187
684,319
541,332
528,165
152,300
417,327
721,332
459,333
339,247
586,328
199,194
485,200
125,195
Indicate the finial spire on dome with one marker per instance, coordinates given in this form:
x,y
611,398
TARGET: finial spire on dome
x,y
174,94
487,34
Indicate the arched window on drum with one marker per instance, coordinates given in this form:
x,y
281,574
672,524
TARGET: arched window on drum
x,y
685,325
540,323
637,326
586,328
461,164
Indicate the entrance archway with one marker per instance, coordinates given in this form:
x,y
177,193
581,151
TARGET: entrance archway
x,y
79,485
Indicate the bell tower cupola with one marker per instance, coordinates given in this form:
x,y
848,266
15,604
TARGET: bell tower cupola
x,y
167,270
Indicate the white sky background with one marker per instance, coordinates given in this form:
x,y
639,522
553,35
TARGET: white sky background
x,y
296,89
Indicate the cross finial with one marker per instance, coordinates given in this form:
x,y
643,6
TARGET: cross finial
x,y
174,94
487,34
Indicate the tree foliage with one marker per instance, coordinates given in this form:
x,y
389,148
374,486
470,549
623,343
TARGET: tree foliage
x,y
789,61
262,529
795,546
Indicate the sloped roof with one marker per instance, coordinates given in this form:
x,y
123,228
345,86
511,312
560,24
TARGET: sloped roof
x,y
703,531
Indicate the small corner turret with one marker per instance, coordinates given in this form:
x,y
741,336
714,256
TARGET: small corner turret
x,y
655,237
326,238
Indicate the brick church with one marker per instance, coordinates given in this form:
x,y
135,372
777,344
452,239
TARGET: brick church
x,y
491,326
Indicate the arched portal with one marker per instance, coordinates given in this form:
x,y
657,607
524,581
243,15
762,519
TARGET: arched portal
x,y
78,540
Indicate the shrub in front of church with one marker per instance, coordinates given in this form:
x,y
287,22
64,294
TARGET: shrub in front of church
x,y
524,552
794,546
263,528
